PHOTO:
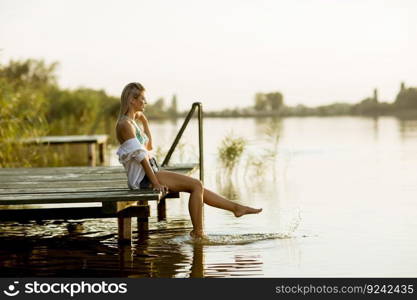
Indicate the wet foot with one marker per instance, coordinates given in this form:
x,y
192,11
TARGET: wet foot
x,y
244,210
198,235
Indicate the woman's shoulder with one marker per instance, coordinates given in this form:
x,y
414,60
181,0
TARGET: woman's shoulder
x,y
124,126
124,123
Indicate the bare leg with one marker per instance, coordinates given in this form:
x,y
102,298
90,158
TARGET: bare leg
x,y
181,183
215,200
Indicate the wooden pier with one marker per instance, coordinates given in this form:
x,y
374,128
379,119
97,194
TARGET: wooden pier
x,y
102,191
90,140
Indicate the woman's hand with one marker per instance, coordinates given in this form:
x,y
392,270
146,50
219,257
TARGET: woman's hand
x,y
142,118
160,188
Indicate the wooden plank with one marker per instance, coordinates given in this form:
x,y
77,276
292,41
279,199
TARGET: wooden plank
x,y
60,170
69,185
18,192
83,197
78,197
68,178
59,190
67,139
63,177
83,170
52,179
80,184
70,213
39,184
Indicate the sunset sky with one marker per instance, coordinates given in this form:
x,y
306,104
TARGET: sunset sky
x,y
221,52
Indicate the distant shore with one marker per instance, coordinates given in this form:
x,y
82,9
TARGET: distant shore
x,y
409,113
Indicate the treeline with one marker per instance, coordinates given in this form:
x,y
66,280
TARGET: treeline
x,y
272,104
405,103
266,104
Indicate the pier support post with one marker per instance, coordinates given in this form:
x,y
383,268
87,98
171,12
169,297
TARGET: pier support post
x,y
125,257
162,212
143,223
124,229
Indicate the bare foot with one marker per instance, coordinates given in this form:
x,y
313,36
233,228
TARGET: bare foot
x,y
244,210
197,235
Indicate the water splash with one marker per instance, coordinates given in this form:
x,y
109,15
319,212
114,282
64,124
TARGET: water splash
x,y
228,239
214,239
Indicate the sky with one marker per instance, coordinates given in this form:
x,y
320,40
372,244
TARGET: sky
x,y
220,52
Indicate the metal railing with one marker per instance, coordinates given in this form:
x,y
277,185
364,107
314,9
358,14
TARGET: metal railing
x,y
199,106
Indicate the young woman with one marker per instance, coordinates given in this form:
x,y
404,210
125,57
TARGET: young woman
x,y
142,172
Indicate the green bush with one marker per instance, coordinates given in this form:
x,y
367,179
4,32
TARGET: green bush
x,y
23,105
230,151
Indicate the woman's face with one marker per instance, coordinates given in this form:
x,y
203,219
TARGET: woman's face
x,y
139,102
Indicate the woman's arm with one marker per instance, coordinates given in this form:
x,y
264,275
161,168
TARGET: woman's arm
x,y
142,118
151,175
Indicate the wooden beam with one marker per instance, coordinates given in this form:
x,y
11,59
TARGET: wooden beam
x,y
60,170
63,184
67,139
63,177
139,211
78,197
115,207
180,168
102,152
70,213
20,191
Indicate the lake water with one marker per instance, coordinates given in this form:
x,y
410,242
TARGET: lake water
x,y
339,199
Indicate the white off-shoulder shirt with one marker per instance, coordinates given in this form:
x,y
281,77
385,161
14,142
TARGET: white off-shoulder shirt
x,y
131,153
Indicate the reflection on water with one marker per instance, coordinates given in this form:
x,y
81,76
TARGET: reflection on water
x,y
339,197
161,253
227,188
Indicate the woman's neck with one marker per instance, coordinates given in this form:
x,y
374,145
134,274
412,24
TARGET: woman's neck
x,y
130,115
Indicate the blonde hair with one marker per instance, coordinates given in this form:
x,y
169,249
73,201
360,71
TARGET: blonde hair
x,y
133,89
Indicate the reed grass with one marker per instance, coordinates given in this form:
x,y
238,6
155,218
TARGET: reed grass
x,y
230,152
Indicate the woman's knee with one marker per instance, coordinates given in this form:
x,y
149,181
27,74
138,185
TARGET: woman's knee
x,y
197,186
